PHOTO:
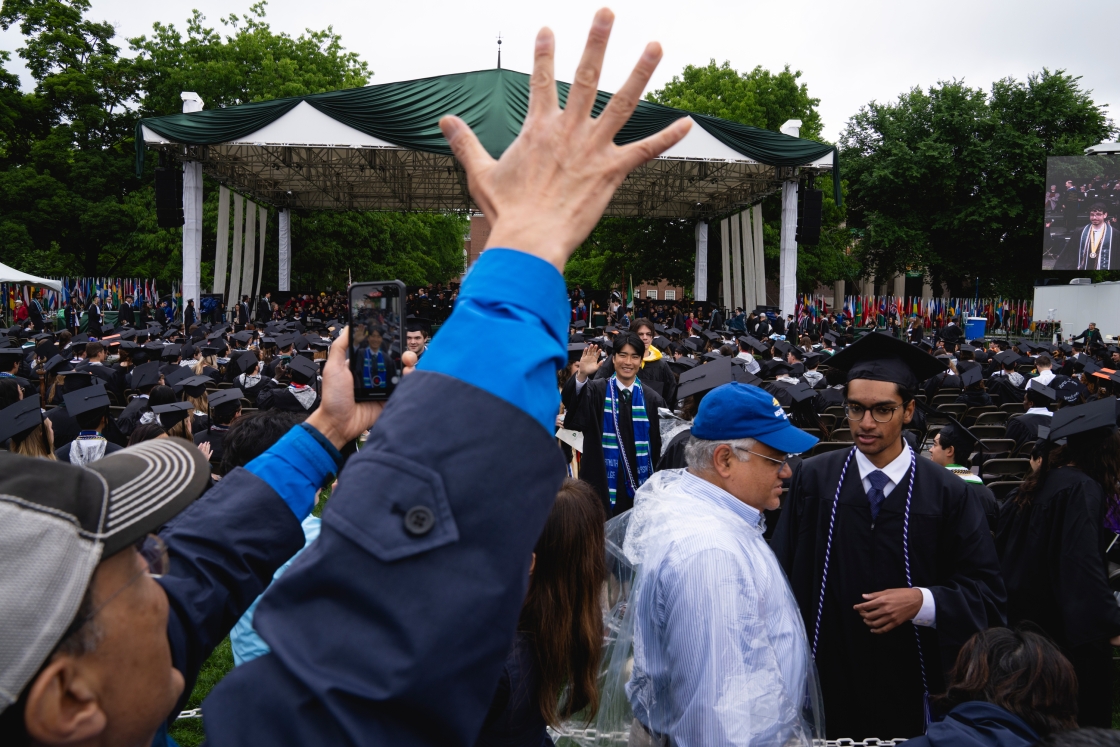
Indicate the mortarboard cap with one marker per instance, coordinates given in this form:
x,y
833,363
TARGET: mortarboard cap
x,y
145,375
181,373
1082,421
971,375
885,358
575,350
243,336
580,324
20,417
194,386
305,367
707,377
86,400
801,392
173,413
224,397
673,331
1007,357
713,356
776,368
681,365
661,343
245,362
758,345
1034,385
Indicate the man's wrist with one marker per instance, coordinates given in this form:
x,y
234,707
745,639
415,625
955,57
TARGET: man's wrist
x,y
323,426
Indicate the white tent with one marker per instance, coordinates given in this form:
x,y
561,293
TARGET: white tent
x,y
12,275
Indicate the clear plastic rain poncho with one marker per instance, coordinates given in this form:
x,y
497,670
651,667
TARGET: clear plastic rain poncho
x,y
704,641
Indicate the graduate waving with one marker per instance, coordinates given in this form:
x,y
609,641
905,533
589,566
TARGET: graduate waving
x,y
891,561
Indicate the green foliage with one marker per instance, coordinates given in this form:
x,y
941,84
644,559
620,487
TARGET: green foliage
x,y
251,64
70,203
758,98
763,99
647,249
951,179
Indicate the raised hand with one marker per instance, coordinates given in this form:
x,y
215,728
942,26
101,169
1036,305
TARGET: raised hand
x,y
551,186
588,363
339,417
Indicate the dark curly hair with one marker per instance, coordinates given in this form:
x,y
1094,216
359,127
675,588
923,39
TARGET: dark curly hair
x,y
1020,671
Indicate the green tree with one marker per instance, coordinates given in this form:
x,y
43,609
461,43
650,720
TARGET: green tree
x,y
647,249
758,98
252,63
766,100
950,180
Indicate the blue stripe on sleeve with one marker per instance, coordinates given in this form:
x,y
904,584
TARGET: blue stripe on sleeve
x,y
508,334
295,467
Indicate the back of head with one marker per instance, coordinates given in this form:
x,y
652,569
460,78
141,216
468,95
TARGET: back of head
x,y
161,395
252,435
9,392
145,432
1019,671
1043,361
562,612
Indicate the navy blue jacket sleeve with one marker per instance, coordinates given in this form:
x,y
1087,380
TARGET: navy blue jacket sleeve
x,y
224,549
393,626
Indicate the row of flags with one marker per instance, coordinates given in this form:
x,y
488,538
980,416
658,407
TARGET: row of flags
x,y
865,311
112,292
811,307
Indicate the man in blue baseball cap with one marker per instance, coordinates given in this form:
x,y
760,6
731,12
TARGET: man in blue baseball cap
x,y
720,651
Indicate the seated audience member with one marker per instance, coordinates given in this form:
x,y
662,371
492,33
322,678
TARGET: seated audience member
x,y
146,432
552,670
249,436
1008,688
90,408
225,408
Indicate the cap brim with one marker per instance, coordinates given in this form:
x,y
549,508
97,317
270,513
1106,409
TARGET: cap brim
x,y
149,484
789,439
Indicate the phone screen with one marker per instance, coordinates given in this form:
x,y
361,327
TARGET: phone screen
x,y
376,337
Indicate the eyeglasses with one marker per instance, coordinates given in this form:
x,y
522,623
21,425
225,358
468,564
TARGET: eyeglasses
x,y
157,562
780,462
879,413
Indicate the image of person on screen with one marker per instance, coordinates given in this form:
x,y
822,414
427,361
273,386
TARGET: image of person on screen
x,y
1089,248
377,366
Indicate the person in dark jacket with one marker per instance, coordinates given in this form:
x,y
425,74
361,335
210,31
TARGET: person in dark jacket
x,y
1008,688
552,671
94,318
1052,541
619,421
1091,336
126,315
190,317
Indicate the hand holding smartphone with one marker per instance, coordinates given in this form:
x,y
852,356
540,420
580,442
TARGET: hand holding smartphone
x,y
377,317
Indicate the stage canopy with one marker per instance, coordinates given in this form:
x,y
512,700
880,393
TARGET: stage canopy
x,y
380,148
12,275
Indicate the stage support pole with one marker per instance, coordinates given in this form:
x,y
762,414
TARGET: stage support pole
x,y
221,255
238,239
787,270
728,296
747,237
700,292
285,264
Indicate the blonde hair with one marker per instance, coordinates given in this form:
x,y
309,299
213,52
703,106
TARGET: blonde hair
x,y
35,444
201,403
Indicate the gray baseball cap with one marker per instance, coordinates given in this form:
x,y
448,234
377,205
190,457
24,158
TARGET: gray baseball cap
x,y
58,521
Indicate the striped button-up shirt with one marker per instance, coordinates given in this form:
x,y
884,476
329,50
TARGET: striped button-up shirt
x,y
720,651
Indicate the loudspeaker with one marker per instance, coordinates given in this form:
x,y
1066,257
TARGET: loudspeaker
x,y
810,203
169,197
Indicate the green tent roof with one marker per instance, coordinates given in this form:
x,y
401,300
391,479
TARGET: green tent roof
x,y
404,117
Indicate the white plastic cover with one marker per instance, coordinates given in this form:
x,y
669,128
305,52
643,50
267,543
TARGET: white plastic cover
x,y
748,678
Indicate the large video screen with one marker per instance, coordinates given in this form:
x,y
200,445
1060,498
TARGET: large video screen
x,y
1082,206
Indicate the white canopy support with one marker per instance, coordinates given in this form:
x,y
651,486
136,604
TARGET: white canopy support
x,y
192,215
12,275
285,264
700,292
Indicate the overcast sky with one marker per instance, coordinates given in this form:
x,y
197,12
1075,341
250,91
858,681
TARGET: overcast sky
x,y
849,52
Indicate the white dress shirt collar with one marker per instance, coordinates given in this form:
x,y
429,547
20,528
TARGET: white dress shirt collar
x,y
894,471
1039,411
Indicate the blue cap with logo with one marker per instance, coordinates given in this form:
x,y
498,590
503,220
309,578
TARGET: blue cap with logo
x,y
736,410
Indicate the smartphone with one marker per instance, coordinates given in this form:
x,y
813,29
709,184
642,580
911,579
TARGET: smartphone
x,y
377,317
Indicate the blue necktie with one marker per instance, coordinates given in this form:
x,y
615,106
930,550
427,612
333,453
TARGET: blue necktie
x,y
878,480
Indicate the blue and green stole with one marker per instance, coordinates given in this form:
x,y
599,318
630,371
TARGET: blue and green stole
x,y
613,453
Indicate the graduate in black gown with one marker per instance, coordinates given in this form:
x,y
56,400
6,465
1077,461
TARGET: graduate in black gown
x,y
585,400
1052,538
901,548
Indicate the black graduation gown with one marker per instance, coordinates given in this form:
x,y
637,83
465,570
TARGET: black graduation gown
x,y
130,415
585,414
1052,552
63,424
277,397
673,458
653,374
872,683
126,316
215,436
1025,427
93,321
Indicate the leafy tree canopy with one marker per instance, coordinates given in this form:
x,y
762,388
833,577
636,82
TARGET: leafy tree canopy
x,y
69,200
950,179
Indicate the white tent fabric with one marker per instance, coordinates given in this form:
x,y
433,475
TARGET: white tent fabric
x,y
12,275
